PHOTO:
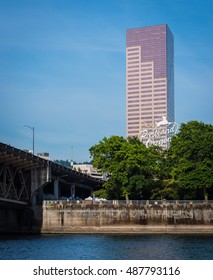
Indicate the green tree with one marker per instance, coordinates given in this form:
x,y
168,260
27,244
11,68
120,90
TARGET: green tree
x,y
183,171
166,186
132,167
191,158
62,162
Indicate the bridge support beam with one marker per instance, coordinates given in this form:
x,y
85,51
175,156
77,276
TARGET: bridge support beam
x,y
56,189
72,190
39,177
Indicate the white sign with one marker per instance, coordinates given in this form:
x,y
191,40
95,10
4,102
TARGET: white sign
x,y
160,134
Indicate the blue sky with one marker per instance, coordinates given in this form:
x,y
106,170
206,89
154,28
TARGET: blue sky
x,y
62,68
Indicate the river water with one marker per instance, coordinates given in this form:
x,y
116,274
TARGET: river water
x,y
106,247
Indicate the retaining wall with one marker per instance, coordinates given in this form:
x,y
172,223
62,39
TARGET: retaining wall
x,y
65,217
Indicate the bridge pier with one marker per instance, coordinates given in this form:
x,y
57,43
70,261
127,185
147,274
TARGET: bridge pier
x,y
39,178
15,217
56,189
72,190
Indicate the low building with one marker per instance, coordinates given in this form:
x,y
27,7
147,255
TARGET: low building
x,y
44,155
89,170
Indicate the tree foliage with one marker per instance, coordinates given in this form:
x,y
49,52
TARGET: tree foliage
x,y
184,171
191,155
65,163
129,165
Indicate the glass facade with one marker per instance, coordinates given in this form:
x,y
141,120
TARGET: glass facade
x,y
149,80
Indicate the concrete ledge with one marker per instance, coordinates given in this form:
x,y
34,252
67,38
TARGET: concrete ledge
x,y
131,229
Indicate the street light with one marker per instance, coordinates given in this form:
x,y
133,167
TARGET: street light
x,y
33,130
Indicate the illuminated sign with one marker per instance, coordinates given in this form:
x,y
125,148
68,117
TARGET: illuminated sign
x,y
160,134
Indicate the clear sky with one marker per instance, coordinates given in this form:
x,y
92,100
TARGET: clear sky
x,y
62,68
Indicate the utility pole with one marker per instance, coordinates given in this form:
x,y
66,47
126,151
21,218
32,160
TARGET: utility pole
x,y
33,130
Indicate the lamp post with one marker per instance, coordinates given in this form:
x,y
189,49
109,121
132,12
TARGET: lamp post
x,y
33,130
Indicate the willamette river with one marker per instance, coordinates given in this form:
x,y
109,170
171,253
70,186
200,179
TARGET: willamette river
x,y
106,247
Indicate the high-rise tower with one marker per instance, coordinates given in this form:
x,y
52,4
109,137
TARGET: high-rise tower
x,y
149,83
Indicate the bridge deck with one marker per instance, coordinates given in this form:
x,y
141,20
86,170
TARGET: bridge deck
x,y
18,158
22,173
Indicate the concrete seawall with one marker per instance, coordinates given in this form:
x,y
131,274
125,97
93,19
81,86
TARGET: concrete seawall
x,y
65,217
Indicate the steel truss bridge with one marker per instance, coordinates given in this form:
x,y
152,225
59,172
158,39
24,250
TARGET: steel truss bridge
x,y
25,178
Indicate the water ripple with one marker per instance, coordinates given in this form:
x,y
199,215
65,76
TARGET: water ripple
x,y
106,247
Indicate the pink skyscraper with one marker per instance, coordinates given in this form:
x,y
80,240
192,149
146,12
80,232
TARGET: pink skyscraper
x,y
149,82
